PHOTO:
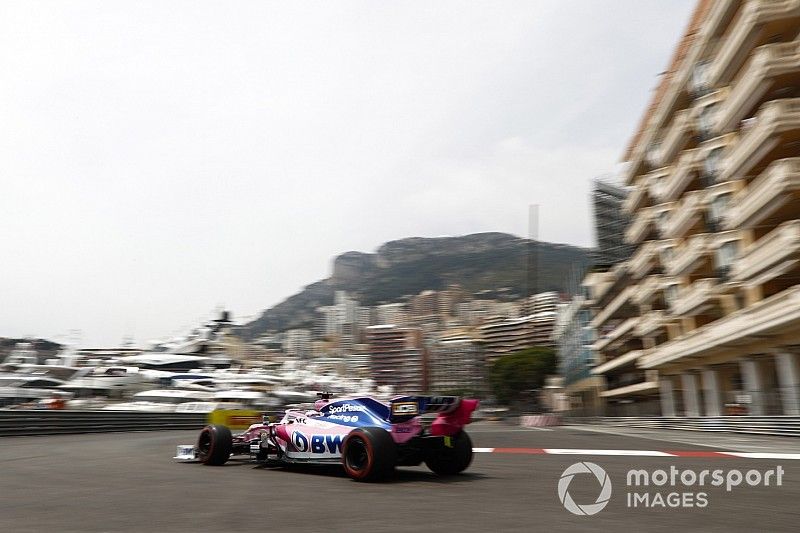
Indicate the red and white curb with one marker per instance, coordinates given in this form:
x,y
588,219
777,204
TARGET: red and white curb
x,y
640,453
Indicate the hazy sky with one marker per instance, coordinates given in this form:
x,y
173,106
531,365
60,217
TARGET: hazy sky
x,y
161,158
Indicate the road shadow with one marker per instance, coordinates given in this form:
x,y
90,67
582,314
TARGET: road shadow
x,y
401,474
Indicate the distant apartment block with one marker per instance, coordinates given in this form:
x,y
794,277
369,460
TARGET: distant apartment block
x,y
297,342
544,312
392,313
425,304
500,336
457,364
396,357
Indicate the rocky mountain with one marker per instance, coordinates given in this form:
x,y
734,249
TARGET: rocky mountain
x,y
482,261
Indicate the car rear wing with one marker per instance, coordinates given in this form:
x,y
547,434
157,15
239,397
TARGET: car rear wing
x,y
452,412
407,407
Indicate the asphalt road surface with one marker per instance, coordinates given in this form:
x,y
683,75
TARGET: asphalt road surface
x,y
129,482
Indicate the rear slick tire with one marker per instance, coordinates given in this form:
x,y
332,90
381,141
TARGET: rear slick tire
x,y
214,445
449,461
369,454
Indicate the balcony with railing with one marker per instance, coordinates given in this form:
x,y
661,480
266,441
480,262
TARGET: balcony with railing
x,y
639,197
655,180
686,172
771,66
650,322
705,109
777,247
695,298
756,22
685,216
619,307
775,194
718,199
678,134
776,124
710,154
663,213
648,288
623,329
634,165
688,257
719,16
633,388
605,286
644,260
641,225
652,155
775,315
676,95
627,359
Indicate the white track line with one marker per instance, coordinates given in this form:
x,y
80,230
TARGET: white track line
x,y
724,441
639,453
764,455
635,435
635,453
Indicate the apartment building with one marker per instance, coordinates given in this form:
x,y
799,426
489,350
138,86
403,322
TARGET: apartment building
x,y
392,313
397,358
450,298
610,223
544,313
704,318
573,339
297,342
506,336
457,364
425,305
574,334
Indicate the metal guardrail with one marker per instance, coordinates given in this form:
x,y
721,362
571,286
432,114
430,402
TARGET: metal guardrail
x,y
785,426
57,422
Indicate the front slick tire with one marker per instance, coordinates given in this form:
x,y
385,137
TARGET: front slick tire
x,y
214,445
369,454
449,461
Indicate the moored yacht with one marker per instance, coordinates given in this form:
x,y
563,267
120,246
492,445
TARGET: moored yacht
x,y
160,400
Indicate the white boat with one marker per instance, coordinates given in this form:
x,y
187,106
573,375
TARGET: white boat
x,y
249,399
24,383
12,395
23,353
160,400
109,382
170,362
252,382
206,407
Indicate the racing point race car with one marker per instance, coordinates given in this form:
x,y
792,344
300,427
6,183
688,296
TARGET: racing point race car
x,y
367,437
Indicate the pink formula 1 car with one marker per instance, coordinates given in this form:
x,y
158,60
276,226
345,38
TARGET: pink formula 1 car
x,y
367,437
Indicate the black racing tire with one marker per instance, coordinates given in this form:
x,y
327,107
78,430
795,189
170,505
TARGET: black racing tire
x,y
214,445
369,454
449,461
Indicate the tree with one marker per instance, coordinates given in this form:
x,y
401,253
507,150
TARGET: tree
x,y
514,375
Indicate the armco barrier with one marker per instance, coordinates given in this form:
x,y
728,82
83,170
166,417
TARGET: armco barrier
x,y
785,426
34,422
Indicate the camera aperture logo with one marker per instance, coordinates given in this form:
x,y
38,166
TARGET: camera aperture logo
x,y
663,488
590,508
